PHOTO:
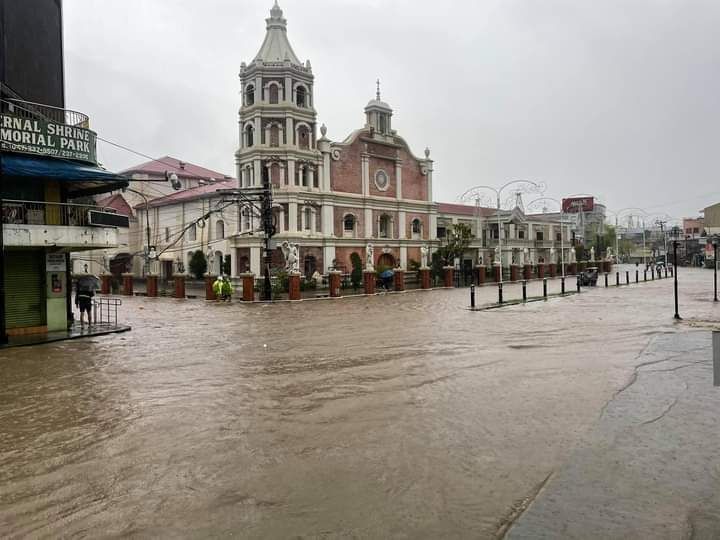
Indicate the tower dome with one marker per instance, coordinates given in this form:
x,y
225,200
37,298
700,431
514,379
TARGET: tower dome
x,y
276,47
378,114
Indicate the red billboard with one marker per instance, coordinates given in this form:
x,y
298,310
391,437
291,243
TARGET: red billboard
x,y
574,205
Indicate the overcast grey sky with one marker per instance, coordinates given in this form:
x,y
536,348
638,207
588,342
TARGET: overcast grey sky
x,y
618,98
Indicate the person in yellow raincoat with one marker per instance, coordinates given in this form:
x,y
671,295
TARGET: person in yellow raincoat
x,y
226,290
218,287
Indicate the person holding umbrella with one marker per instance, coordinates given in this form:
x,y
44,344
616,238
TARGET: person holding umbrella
x,y
386,277
84,292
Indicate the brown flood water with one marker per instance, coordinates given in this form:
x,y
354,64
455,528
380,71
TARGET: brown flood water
x,y
401,416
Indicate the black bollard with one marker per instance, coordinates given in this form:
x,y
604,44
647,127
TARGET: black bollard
x,y
606,284
644,275
652,274
472,295
562,285
500,298
578,283
524,287
617,279
637,276
544,287
627,277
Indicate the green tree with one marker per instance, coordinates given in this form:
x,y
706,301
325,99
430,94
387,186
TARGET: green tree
x,y
458,240
356,274
198,264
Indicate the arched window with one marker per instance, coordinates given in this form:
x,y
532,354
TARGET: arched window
x,y
308,218
246,219
384,226
219,229
274,134
273,94
301,97
250,95
416,228
304,138
304,176
249,136
192,233
349,225
249,176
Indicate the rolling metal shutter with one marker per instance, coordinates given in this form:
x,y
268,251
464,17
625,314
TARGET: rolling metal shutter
x,y
24,289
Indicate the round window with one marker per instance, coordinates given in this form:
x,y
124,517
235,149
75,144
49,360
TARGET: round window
x,y
381,180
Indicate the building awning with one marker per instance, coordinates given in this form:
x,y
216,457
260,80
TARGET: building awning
x,y
81,179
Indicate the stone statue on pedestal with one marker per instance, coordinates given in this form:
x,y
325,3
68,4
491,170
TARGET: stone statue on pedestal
x,y
592,253
497,256
370,258
609,254
292,257
423,256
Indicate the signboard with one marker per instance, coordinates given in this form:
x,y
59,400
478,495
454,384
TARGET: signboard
x,y
55,262
575,205
35,136
107,219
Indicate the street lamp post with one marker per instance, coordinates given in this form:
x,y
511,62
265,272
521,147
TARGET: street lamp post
x,y
473,194
715,265
562,223
675,234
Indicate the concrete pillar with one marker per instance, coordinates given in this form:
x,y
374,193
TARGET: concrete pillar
x,y
398,176
294,285
127,284
255,260
480,275
179,282
552,269
514,272
399,279
334,278
448,274
369,279
498,272
292,216
151,285
209,293
291,172
105,280
527,271
248,286
424,278
403,257
541,270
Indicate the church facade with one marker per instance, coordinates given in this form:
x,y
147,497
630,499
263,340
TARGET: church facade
x,y
332,198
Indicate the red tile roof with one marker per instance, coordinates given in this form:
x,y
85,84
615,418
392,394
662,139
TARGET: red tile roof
x,y
190,194
182,169
118,203
464,209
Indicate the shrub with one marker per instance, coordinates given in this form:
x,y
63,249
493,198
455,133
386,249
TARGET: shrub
x,y
198,264
413,265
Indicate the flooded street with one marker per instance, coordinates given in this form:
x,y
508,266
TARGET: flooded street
x,y
400,415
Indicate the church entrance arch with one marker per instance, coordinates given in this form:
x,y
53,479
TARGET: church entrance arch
x,y
386,260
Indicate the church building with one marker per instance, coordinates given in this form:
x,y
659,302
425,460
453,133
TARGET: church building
x,y
331,198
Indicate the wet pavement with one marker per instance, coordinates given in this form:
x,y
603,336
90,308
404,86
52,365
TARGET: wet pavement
x,y
399,415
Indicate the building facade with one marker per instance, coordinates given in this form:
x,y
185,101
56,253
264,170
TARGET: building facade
x,y
48,172
332,198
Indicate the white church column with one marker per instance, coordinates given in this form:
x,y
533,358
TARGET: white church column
x,y
292,217
255,253
328,213
402,226
368,223
398,176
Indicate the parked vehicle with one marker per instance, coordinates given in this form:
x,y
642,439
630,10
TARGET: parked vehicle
x,y
589,277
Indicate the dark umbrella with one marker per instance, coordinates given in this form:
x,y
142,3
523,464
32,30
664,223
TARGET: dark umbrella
x,y
88,282
387,274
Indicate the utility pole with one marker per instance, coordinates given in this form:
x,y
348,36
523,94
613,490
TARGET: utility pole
x,y
661,223
261,201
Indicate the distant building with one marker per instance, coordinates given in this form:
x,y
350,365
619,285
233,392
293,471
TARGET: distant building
x,y
693,227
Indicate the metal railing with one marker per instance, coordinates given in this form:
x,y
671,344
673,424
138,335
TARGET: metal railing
x,y
31,110
48,213
105,310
